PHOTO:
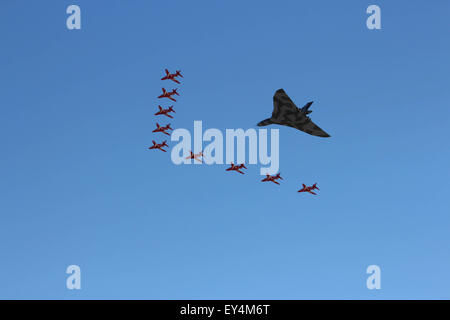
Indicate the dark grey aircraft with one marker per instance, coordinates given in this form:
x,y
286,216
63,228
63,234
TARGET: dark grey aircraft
x,y
286,113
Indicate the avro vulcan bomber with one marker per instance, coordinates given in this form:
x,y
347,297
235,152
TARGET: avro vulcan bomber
x,y
286,113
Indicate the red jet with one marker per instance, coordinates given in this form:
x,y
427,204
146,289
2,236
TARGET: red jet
x,y
169,95
159,145
196,156
308,189
165,111
272,178
236,168
162,129
172,76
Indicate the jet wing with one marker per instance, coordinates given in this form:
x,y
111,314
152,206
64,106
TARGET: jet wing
x,y
283,107
285,112
305,124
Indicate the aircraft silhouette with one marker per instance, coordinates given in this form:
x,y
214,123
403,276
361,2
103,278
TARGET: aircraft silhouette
x,y
272,178
162,129
169,95
286,113
159,145
308,189
196,156
172,76
165,111
236,167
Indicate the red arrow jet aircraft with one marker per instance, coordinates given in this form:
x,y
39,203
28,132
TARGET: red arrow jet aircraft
x,y
308,189
162,129
169,95
236,168
159,145
165,111
196,156
172,76
272,178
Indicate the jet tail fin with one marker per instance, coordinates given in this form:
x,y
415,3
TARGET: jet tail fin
x,y
306,107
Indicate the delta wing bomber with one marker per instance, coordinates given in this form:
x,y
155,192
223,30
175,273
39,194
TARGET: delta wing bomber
x,y
286,113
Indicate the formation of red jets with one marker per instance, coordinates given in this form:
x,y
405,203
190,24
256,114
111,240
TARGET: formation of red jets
x,y
200,156
166,112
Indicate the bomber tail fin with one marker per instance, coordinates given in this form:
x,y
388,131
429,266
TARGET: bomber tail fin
x,y
306,107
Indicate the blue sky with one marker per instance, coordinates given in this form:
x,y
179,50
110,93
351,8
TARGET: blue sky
x,y
79,186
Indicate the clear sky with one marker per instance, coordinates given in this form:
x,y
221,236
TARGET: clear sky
x,y
78,185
